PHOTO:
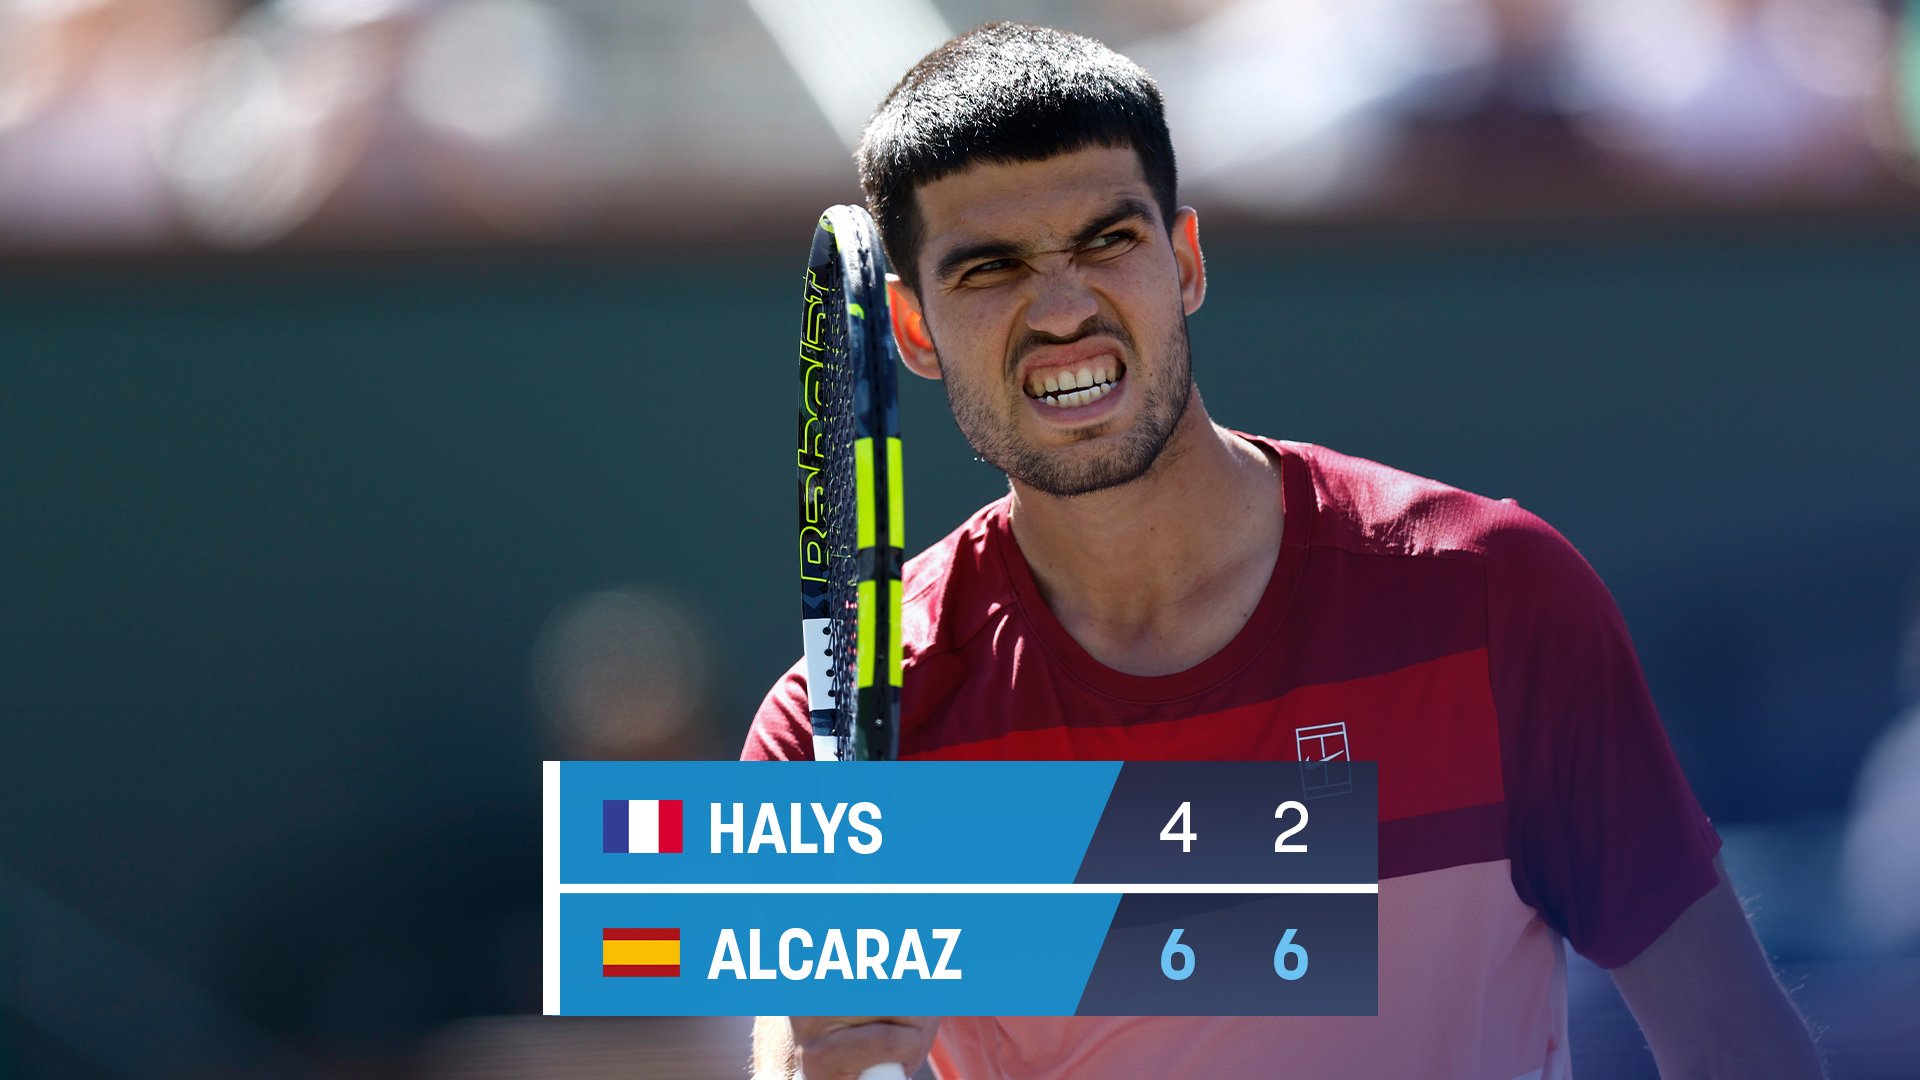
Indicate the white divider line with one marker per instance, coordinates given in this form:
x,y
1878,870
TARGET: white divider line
x,y
815,887
550,895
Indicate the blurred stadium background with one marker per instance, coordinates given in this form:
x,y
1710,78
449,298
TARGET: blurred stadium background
x,y
349,468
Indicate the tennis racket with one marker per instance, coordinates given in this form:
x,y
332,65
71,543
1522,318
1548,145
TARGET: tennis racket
x,y
850,509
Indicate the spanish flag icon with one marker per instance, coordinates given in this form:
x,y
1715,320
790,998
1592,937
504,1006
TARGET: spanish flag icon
x,y
626,952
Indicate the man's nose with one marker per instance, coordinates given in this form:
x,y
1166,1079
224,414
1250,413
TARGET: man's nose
x,y
1062,302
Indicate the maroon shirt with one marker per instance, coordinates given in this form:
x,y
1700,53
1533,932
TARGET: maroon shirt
x,y
1527,790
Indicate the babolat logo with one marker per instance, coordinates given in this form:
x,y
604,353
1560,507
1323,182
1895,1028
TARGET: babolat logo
x,y
813,434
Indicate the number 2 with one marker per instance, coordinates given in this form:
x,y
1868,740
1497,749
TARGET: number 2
x,y
1280,842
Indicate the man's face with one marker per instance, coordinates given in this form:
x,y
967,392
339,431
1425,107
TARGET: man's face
x,y
1055,308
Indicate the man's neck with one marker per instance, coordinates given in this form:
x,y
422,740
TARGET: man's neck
x,y
1157,575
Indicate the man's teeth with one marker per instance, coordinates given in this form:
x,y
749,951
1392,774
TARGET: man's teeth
x,y
1067,388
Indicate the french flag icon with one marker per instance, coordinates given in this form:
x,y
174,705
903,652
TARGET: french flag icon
x,y
644,826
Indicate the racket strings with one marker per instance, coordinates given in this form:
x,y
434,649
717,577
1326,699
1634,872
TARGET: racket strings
x,y
840,388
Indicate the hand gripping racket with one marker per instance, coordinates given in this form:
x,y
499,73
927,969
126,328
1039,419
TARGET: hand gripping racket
x,y
850,509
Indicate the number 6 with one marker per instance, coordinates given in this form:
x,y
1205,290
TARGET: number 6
x,y
1286,951
1184,952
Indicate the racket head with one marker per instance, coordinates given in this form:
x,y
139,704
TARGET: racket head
x,y
850,519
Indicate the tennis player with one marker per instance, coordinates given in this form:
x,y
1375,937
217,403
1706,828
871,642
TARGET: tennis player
x,y
1155,586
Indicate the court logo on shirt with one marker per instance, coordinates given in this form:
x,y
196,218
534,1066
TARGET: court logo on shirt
x,y
1325,763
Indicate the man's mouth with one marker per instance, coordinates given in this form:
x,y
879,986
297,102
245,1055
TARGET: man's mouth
x,y
1070,388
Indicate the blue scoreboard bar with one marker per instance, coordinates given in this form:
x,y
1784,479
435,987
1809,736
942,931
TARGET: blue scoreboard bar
x,y
961,888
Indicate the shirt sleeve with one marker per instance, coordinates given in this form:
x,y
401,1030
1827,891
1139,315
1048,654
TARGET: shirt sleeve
x,y
1606,838
781,729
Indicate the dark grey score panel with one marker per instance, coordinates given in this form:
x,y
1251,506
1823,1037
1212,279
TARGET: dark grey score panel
x,y
1269,955
1325,814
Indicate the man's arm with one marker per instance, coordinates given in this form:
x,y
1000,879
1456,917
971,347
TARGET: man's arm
x,y
1709,1003
772,1048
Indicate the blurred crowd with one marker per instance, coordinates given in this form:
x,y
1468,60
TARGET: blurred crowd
x,y
139,122
154,123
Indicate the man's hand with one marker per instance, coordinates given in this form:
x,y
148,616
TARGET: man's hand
x,y
843,1047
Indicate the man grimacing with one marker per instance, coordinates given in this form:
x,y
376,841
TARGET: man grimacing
x,y
1155,586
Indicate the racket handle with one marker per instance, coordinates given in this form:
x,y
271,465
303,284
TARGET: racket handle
x,y
889,1070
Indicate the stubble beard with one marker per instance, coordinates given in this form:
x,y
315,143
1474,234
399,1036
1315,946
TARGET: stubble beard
x,y
1164,400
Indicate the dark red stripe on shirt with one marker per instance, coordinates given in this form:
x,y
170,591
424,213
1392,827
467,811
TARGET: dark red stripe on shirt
x,y
1431,726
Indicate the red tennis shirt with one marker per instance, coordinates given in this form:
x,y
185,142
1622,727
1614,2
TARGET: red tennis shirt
x,y
1528,794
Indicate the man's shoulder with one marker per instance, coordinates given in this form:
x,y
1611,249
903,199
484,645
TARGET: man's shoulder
x,y
957,552
1532,574
1365,507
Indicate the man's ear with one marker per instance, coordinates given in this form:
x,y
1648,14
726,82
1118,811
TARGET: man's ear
x,y
910,330
1186,253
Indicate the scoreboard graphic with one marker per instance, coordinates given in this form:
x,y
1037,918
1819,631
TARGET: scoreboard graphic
x,y
961,888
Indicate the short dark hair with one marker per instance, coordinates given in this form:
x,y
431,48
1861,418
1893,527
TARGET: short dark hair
x,y
1004,93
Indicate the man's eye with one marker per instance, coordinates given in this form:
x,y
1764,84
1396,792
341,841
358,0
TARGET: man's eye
x,y
988,269
1111,244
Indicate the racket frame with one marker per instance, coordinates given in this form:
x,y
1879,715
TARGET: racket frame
x,y
845,301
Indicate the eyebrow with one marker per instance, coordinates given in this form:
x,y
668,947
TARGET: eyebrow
x,y
1126,208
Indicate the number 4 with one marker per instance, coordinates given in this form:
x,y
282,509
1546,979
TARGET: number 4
x,y
1184,818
